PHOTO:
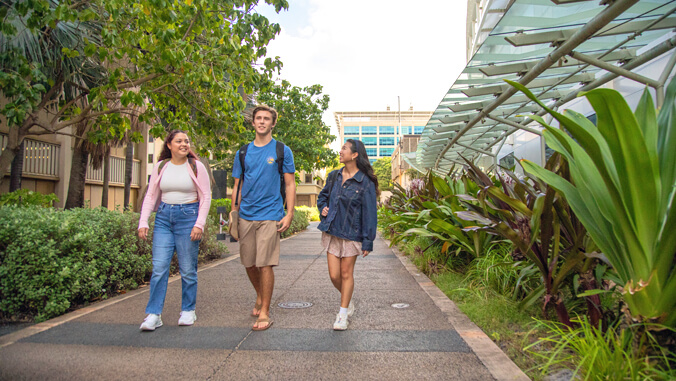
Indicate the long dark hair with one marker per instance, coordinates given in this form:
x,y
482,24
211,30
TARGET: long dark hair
x,y
166,153
363,162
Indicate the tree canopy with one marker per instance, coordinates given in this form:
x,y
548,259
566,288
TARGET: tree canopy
x,y
383,170
187,63
299,125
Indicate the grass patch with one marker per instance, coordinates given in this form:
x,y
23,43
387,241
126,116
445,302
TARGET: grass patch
x,y
498,316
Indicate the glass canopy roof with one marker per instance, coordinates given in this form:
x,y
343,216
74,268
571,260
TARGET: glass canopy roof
x,y
534,42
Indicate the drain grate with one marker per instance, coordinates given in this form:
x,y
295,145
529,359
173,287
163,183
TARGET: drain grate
x,y
295,305
400,305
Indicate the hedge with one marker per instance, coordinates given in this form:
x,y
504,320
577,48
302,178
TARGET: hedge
x,y
52,260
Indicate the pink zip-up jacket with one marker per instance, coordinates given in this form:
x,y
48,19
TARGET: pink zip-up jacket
x,y
154,195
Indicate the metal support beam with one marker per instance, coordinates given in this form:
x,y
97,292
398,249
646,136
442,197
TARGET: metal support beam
x,y
476,149
663,80
638,61
594,25
615,69
516,125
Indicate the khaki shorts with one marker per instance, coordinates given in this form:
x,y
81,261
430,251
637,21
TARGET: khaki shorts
x,y
258,243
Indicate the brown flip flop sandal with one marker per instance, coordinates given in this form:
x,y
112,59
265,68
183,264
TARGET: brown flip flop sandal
x,y
257,307
263,320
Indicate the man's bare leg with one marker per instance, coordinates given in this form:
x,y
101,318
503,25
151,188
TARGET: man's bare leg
x,y
254,274
267,284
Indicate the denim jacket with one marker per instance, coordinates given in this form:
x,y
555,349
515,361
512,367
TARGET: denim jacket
x,y
353,213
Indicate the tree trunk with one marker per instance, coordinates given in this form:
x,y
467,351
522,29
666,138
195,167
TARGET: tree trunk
x,y
78,174
14,140
128,165
106,180
17,168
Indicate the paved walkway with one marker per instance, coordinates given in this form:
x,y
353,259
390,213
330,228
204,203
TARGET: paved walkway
x,y
430,339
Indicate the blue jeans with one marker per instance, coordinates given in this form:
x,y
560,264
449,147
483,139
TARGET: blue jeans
x,y
173,224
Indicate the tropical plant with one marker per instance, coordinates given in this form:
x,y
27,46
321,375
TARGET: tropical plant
x,y
622,188
542,228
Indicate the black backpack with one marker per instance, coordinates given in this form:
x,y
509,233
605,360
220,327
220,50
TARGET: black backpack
x,y
280,168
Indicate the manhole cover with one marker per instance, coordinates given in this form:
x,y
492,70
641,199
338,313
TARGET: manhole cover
x,y
400,305
295,304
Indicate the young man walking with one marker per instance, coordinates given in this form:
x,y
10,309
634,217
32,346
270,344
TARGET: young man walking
x,y
261,208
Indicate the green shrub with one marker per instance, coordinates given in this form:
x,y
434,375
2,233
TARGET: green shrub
x,y
52,260
299,223
313,212
25,197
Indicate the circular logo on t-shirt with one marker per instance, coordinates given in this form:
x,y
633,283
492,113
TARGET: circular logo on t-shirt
x,y
271,160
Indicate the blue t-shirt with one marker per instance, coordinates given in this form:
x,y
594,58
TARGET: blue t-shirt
x,y
261,198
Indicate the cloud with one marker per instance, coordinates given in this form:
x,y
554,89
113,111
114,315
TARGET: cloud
x,y
366,53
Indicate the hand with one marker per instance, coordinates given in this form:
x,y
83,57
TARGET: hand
x,y
364,253
196,234
143,233
325,211
284,223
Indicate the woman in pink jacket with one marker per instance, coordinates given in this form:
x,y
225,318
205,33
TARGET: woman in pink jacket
x,y
180,192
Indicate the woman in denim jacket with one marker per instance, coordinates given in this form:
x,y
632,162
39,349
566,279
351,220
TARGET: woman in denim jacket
x,y
348,210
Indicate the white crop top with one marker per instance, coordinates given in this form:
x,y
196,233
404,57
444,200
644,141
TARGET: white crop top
x,y
176,185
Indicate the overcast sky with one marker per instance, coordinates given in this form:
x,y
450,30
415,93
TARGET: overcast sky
x,y
365,53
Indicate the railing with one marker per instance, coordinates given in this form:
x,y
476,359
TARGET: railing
x,y
116,172
41,159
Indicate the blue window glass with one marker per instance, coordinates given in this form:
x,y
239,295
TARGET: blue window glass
x,y
345,140
398,139
369,130
406,130
387,141
386,151
386,130
372,161
370,141
419,130
372,151
351,130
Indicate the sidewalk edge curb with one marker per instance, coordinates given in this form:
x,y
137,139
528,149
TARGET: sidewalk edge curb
x,y
491,356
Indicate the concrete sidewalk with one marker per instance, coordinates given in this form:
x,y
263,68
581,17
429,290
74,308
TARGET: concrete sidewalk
x,y
429,339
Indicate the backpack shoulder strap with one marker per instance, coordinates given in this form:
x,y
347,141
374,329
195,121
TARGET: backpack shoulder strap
x,y
280,157
242,156
162,164
193,165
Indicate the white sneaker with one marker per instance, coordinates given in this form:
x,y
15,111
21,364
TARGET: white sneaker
x,y
187,318
341,323
151,322
350,309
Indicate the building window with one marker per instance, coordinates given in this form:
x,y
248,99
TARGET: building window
x,y
386,130
149,178
419,130
370,141
150,158
345,140
372,151
351,130
398,140
308,178
406,130
386,152
150,139
372,161
369,130
387,141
